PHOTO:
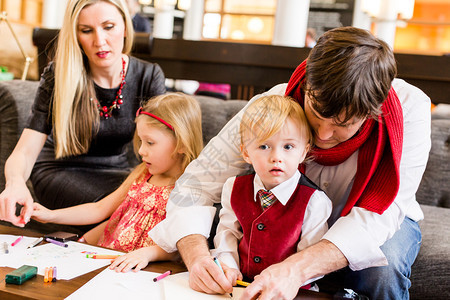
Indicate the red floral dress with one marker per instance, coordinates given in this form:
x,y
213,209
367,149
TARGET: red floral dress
x,y
143,208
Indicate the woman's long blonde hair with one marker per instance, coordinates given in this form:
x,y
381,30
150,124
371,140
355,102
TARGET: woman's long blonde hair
x,y
75,117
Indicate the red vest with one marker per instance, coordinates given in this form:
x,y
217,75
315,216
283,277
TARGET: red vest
x,y
269,236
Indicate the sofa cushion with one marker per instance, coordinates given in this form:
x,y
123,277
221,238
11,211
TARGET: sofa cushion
x,y
216,113
16,97
430,272
435,186
441,111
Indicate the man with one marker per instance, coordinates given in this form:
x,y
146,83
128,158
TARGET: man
x,y
372,137
310,39
140,23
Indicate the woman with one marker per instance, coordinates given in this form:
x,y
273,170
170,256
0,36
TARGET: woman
x,y
82,117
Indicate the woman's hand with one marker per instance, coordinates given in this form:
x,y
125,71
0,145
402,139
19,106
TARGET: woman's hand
x,y
137,259
41,213
17,171
16,192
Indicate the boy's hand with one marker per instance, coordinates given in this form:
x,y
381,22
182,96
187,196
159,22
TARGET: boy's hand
x,y
41,213
137,259
231,274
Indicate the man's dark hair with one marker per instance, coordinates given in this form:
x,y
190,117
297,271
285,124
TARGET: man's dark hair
x,y
349,72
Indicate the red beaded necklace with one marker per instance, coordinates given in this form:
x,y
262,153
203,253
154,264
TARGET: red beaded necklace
x,y
106,111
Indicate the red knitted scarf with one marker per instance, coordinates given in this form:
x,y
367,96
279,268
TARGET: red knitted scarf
x,y
380,143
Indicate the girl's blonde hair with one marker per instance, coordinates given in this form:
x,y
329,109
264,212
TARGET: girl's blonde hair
x,y
75,117
264,117
184,114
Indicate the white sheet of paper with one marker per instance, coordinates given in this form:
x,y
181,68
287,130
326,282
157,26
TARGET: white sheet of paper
x,y
70,262
177,287
109,284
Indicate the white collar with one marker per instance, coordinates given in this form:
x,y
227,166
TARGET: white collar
x,y
283,191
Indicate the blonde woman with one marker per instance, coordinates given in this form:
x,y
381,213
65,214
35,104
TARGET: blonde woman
x,y
82,117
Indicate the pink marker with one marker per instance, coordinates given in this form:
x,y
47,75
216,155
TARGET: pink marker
x,y
17,241
163,275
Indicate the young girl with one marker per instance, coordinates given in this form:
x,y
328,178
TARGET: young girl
x,y
73,145
168,137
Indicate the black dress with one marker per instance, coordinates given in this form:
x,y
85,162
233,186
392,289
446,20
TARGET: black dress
x,y
89,177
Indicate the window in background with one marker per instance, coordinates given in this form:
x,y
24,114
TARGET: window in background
x,y
428,32
237,20
27,12
23,16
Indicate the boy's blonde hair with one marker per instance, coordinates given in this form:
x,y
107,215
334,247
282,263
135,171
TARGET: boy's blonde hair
x,y
75,117
183,113
264,117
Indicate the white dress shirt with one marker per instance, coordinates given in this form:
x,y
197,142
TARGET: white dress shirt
x,y
358,235
229,231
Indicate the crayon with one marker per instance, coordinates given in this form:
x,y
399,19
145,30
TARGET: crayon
x,y
46,274
35,243
17,241
50,274
218,263
54,274
243,283
103,256
163,275
5,247
220,267
56,242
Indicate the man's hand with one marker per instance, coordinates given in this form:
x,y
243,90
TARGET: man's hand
x,y
16,192
204,274
278,281
283,280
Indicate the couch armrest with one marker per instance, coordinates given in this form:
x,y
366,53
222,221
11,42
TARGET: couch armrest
x,y
431,270
16,98
434,189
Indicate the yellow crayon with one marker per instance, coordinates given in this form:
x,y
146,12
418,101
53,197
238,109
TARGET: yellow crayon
x,y
243,283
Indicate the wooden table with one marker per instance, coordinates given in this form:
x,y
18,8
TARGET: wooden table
x,y
35,288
